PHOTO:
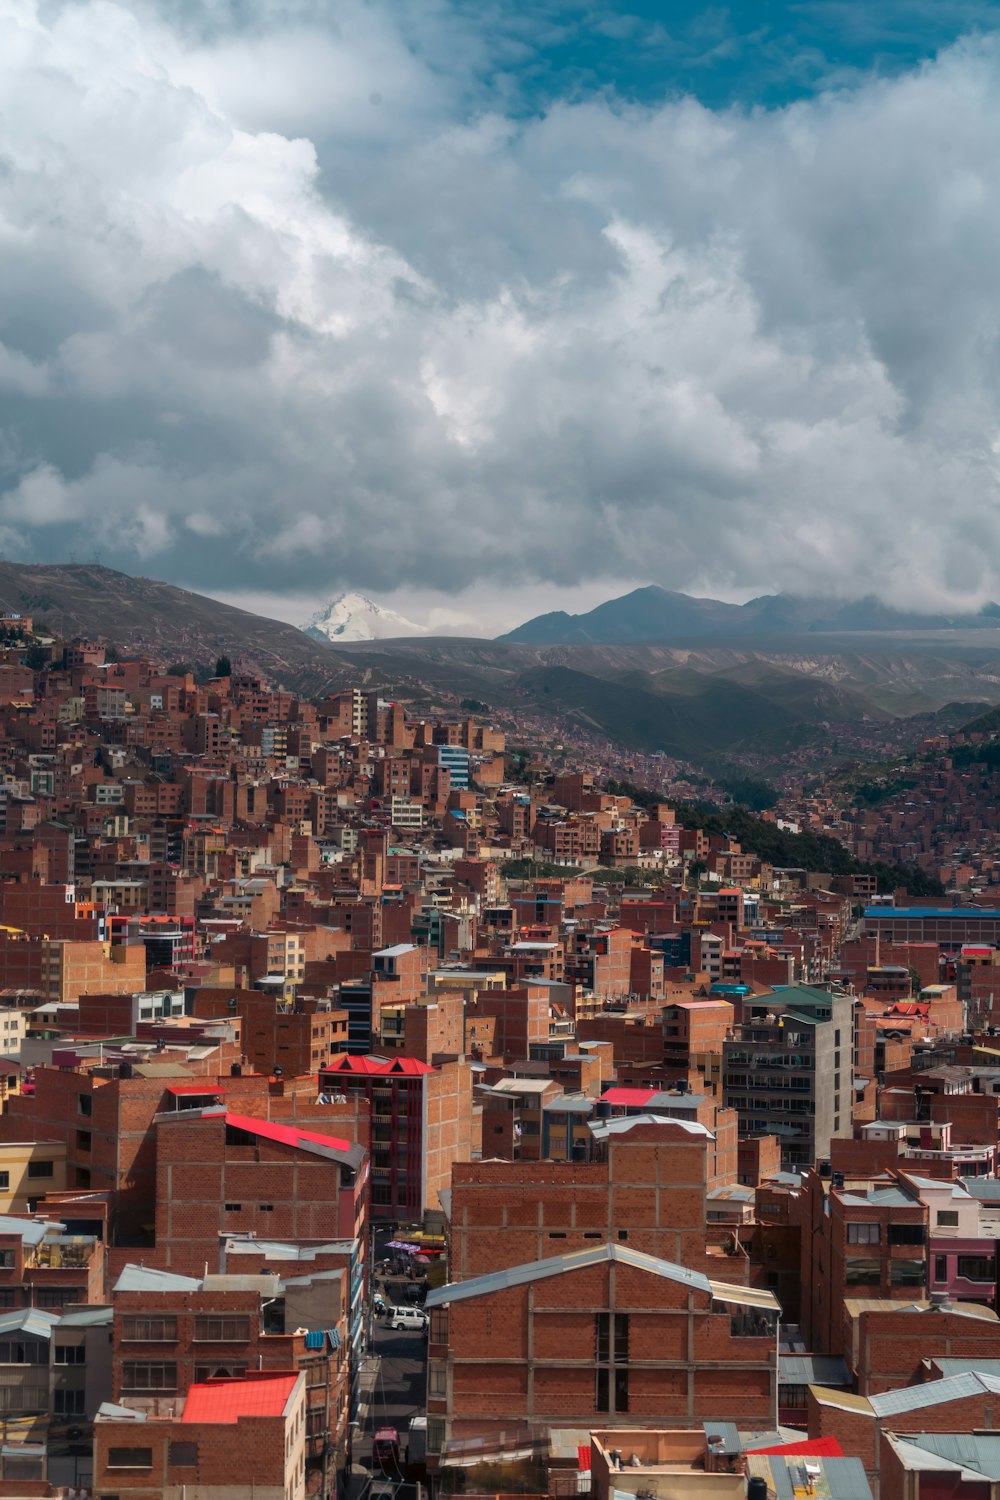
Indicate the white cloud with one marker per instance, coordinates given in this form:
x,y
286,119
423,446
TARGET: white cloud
x,y
285,311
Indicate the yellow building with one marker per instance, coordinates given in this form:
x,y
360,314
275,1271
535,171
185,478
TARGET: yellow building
x,y
29,1170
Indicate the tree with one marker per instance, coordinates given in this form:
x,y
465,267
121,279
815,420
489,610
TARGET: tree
x,y
223,667
36,657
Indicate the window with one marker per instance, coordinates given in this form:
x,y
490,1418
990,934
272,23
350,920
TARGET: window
x,y
906,1272
906,1234
975,1267
859,1270
437,1379
83,1140
861,1233
57,1296
621,1390
70,1354
4,1181
69,1403
602,1387
6,1296
948,1217
222,1329
219,1372
793,1396
184,1455
234,1208
130,1458
40,1169
7,1260
23,1351
266,1208
940,1268
148,1330
149,1375
85,1104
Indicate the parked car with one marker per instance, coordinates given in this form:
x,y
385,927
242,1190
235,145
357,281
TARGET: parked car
x,y
408,1317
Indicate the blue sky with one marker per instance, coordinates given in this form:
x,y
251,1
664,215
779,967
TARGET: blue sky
x,y
760,54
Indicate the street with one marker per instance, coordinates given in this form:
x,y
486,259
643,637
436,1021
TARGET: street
x,y
393,1392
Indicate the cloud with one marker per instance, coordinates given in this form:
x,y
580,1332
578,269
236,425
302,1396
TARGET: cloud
x,y
297,305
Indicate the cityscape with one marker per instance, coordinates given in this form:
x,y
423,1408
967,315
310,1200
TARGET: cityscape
x,y
499,750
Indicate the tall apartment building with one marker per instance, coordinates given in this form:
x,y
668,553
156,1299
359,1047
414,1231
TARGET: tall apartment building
x,y
789,1071
421,1123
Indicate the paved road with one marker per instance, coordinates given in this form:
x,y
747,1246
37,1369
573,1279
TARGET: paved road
x,y
398,1384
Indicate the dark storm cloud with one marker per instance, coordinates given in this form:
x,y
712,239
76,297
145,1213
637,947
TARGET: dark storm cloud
x,y
284,311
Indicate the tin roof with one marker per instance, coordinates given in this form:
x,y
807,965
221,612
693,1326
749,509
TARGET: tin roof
x,y
228,1400
147,1279
578,1260
934,1393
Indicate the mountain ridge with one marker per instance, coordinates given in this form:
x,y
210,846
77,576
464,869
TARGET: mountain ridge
x,y
355,617
652,614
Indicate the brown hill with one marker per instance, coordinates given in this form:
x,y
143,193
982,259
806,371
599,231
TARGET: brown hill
x,y
143,616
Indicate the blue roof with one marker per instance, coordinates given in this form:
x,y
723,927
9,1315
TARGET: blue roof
x,y
933,911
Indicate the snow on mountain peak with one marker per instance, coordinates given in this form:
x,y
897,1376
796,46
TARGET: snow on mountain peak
x,y
355,617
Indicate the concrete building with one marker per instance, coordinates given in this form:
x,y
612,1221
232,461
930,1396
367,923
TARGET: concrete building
x,y
788,1071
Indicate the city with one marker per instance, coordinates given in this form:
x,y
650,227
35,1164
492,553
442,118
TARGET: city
x,y
345,1076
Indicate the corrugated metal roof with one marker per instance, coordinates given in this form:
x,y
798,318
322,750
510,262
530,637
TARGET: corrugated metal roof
x,y
148,1279
934,1393
847,1479
962,1366
744,1296
973,1450
30,1231
602,1128
33,1320
228,1400
578,1260
726,1434
813,1369
86,1317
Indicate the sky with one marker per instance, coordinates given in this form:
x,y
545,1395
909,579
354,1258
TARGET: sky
x,y
489,308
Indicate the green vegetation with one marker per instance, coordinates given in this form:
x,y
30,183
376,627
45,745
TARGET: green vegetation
x,y
881,789
534,869
976,755
473,706
223,667
748,791
798,851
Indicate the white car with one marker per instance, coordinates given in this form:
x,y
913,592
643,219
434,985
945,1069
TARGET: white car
x,y
408,1317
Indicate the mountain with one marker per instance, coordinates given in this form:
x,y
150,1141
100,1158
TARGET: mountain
x,y
653,614
355,617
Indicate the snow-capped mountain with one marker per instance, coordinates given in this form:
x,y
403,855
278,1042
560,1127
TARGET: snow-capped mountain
x,y
355,617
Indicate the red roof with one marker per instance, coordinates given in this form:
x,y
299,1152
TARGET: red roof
x,y
826,1447
194,1088
628,1096
285,1135
345,1063
228,1400
583,1458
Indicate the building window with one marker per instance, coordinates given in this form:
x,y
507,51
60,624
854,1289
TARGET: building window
x,y
137,1329
948,1217
859,1270
621,1390
7,1260
219,1372
83,1140
266,1208
149,1375
57,1296
940,1268
69,1403
4,1181
70,1354
860,1233
906,1234
437,1378
220,1329
40,1169
906,1272
975,1267
184,1455
234,1208
601,1396
85,1104
130,1458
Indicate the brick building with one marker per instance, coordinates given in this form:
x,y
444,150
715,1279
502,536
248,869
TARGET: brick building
x,y
607,1335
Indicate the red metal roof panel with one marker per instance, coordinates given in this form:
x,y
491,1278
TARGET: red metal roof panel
x,y
228,1400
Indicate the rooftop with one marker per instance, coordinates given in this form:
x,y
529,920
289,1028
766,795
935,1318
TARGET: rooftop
x,y
228,1400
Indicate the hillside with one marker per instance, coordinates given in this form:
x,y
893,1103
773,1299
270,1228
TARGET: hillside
x,y
142,615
